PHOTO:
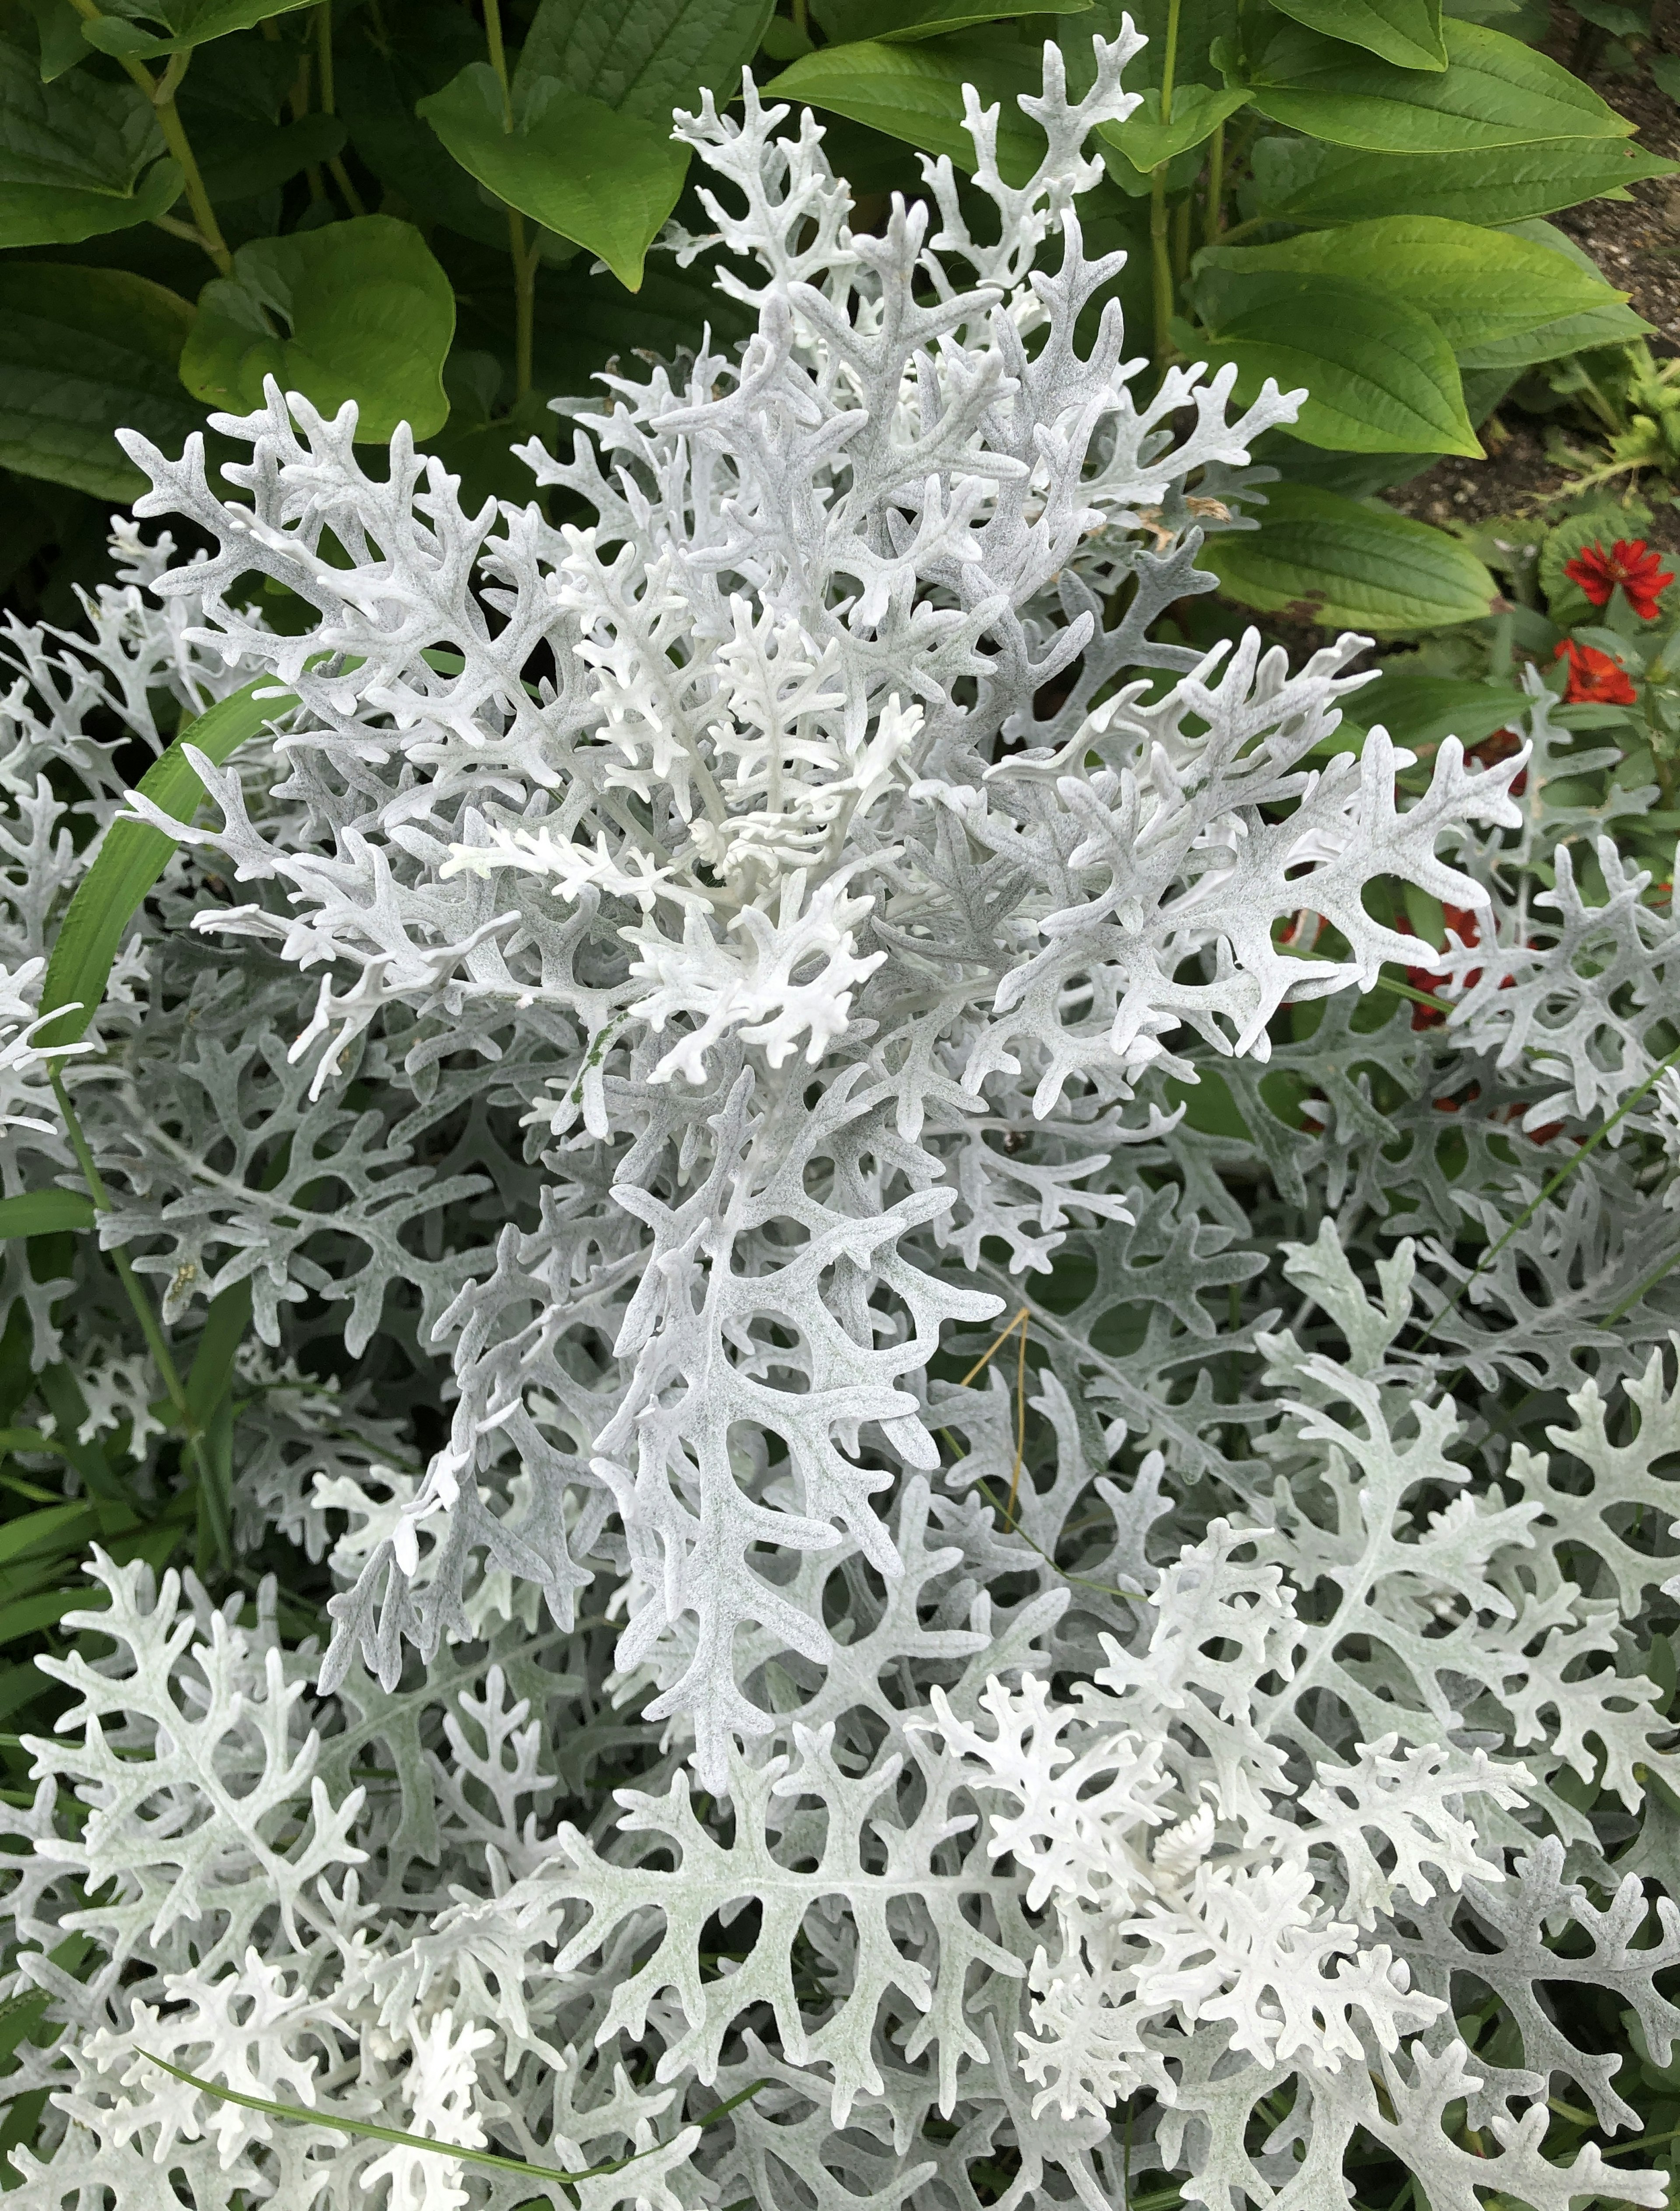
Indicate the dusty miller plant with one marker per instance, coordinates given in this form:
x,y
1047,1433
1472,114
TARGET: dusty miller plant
x,y
689,960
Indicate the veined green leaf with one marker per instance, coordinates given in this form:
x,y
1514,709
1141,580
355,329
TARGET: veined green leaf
x,y
915,92
900,21
1495,92
134,854
1198,111
356,310
77,157
1611,323
1379,377
44,1212
1421,710
1407,32
643,58
606,179
1319,557
144,30
1315,185
83,353
1477,285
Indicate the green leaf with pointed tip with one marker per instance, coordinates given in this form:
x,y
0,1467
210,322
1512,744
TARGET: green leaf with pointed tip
x,y
1319,557
643,58
45,1211
134,854
604,179
1479,286
377,96
1379,377
354,310
1495,92
1198,111
1610,324
1407,32
84,352
77,157
143,30
901,21
1318,185
915,92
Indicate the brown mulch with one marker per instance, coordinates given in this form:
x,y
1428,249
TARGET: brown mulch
x,y
1636,242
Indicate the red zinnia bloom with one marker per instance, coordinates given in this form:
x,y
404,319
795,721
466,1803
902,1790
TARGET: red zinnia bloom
x,y
1499,746
1595,680
1630,563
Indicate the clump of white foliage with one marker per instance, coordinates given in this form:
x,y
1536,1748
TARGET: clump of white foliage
x,y
693,950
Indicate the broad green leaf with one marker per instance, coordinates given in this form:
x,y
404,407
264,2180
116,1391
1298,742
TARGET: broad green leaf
x,y
1198,111
1315,185
1612,324
1496,92
134,854
256,157
900,22
45,1211
77,157
84,352
1665,70
1478,285
377,96
606,180
58,27
1379,377
915,92
356,310
142,30
1420,709
1319,557
643,58
1407,32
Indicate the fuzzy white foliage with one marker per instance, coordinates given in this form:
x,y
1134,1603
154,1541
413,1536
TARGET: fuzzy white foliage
x,y
725,851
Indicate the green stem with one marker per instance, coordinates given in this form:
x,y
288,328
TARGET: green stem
x,y
499,58
324,55
1161,270
1161,263
1216,187
340,174
1181,241
161,93
525,258
149,1324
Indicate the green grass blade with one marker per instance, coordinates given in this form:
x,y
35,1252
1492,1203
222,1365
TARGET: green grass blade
x,y
364,2130
45,1211
134,855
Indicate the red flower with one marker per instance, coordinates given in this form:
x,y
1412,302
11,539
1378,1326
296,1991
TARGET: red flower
x,y
1595,679
1630,563
1499,746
